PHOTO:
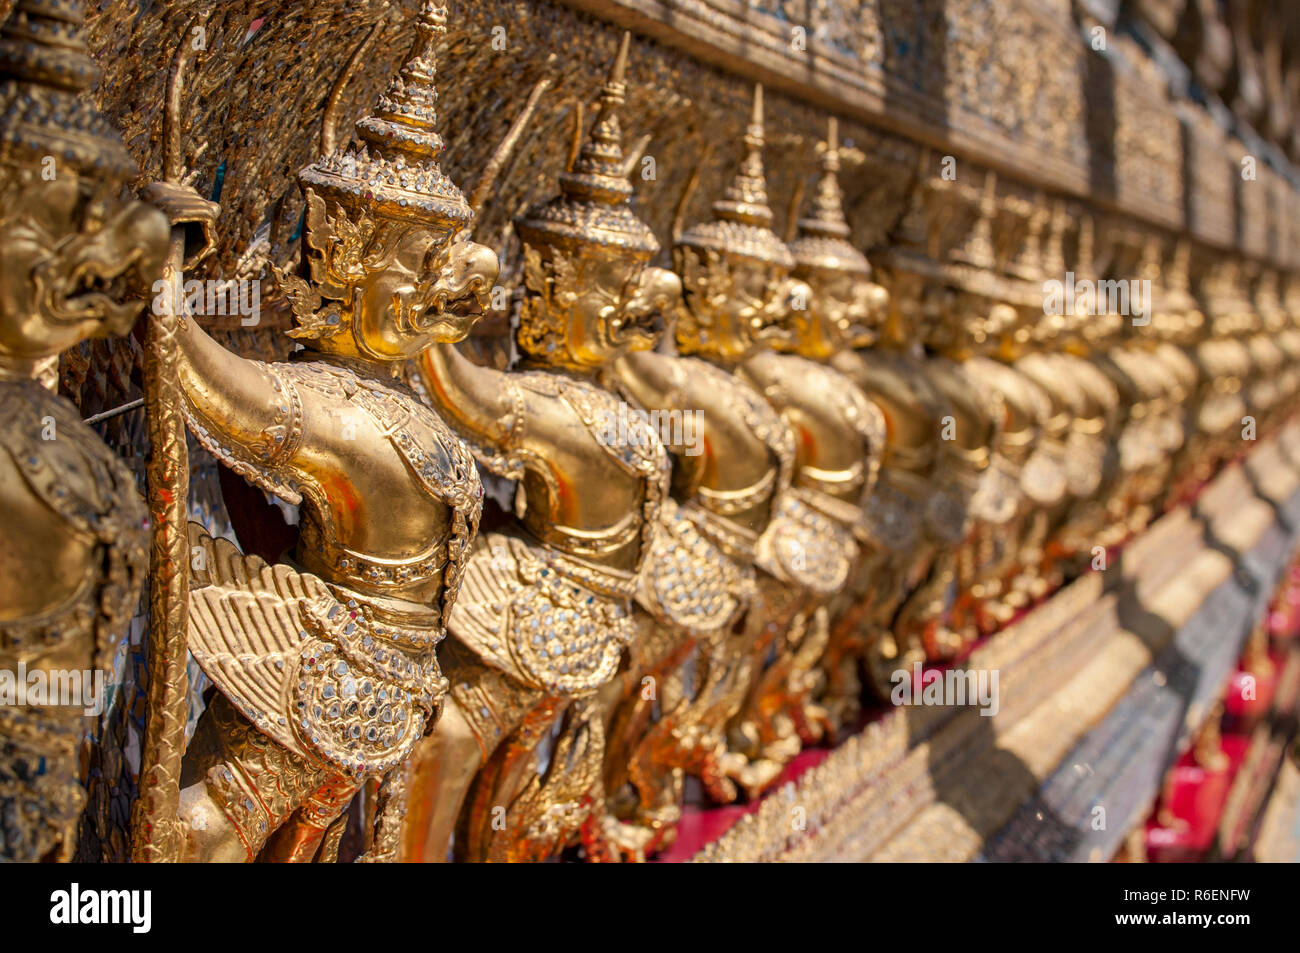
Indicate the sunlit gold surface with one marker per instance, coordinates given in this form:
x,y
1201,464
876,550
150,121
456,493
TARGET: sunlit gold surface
x,y
75,263
741,477
588,504
327,663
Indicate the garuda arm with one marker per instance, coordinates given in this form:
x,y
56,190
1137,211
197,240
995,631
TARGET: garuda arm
x,y
242,410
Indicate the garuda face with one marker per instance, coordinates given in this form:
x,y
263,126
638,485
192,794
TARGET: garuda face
x,y
385,290
584,310
737,305
844,310
75,263
430,291
937,316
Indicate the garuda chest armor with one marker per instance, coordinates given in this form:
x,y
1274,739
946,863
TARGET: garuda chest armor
x,y
801,544
74,475
549,614
801,388
93,498
335,670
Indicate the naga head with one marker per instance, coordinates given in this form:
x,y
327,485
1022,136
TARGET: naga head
x,y
846,308
77,260
590,292
735,271
390,267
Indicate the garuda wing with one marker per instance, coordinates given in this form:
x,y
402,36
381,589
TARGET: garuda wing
x,y
527,613
300,664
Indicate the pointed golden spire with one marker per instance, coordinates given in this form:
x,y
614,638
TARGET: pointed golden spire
x,y
745,199
742,219
827,213
1053,255
978,249
597,172
395,173
823,233
593,204
44,69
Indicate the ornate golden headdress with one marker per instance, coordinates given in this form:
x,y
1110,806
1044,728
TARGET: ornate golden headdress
x,y
742,220
945,237
394,173
591,213
823,234
43,70
593,205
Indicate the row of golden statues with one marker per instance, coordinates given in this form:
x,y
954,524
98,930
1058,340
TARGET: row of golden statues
x,y
884,468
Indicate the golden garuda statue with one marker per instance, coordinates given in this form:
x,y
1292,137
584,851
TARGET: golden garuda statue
x,y
707,498
76,262
551,608
919,502
739,292
982,445
731,476
325,663
587,246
